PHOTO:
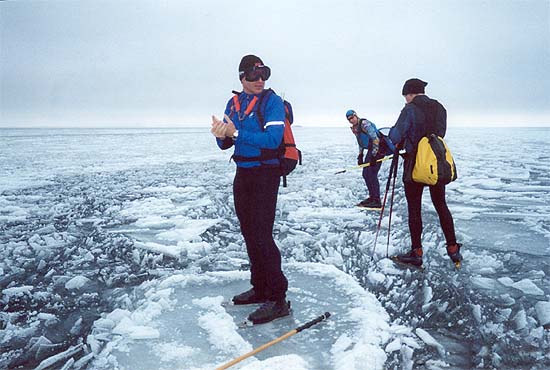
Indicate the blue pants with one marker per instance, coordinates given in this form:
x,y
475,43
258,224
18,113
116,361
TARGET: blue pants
x,y
255,194
370,175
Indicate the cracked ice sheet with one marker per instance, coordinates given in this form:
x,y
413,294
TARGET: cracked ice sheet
x,y
191,322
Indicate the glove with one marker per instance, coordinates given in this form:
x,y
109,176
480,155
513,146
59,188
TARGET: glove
x,y
373,162
360,159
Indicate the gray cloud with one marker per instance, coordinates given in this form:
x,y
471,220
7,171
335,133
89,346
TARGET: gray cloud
x,y
174,63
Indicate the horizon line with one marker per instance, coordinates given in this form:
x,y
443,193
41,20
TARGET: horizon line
x,y
332,125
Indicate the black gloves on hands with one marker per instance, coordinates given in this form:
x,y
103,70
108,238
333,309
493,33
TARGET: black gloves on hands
x,y
360,159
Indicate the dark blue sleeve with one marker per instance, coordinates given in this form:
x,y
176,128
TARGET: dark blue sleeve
x,y
398,133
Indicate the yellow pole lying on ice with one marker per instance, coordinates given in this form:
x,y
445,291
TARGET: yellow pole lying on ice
x,y
325,316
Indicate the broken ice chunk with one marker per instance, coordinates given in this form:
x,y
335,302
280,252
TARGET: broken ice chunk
x,y
77,282
543,313
528,287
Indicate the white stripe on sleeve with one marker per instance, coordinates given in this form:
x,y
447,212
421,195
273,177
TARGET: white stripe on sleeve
x,y
274,123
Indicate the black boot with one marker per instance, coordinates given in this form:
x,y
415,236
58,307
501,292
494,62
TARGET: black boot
x,y
374,203
414,258
371,203
249,297
269,311
363,202
454,252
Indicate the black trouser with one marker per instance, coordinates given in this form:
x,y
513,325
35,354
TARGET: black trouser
x,y
255,194
413,192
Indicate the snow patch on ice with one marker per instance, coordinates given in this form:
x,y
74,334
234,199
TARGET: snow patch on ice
x,y
219,325
174,351
287,362
188,230
133,330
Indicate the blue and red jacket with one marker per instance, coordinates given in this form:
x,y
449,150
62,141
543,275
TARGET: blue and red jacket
x,y
256,144
369,138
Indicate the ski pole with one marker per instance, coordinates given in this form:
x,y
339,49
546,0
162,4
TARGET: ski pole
x,y
365,164
391,208
307,325
393,168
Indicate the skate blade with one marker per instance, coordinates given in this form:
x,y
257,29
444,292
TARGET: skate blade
x,y
369,208
248,323
245,324
227,304
407,265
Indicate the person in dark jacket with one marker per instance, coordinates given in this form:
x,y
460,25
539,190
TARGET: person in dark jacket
x,y
411,126
256,185
368,138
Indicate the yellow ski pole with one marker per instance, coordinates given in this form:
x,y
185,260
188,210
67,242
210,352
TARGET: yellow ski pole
x,y
325,316
365,164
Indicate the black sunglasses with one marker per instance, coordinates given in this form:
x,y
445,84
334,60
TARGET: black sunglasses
x,y
255,73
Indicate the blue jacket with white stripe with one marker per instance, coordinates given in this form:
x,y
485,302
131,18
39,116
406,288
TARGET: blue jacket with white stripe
x,y
254,140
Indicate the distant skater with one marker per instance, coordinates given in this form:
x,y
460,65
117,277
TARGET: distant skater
x,y
256,185
369,139
412,124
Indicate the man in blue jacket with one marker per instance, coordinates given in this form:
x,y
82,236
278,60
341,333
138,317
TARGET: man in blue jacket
x,y
369,139
256,184
413,123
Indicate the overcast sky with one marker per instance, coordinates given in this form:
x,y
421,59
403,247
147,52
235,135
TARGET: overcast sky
x,y
173,63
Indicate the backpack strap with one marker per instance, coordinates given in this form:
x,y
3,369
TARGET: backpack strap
x,y
289,115
430,111
236,106
262,101
259,103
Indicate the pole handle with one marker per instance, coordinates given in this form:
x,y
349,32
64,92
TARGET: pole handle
x,y
308,325
325,316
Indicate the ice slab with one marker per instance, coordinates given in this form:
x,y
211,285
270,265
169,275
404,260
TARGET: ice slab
x,y
527,286
196,332
543,312
77,282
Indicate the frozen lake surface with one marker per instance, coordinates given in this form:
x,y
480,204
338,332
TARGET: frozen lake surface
x,y
94,224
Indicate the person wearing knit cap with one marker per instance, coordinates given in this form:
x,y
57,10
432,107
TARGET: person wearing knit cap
x,y
413,86
420,116
256,184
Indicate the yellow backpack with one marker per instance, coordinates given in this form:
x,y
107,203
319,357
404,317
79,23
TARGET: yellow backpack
x,y
434,162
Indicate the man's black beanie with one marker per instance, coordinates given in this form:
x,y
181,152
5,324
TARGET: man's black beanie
x,y
413,86
249,61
